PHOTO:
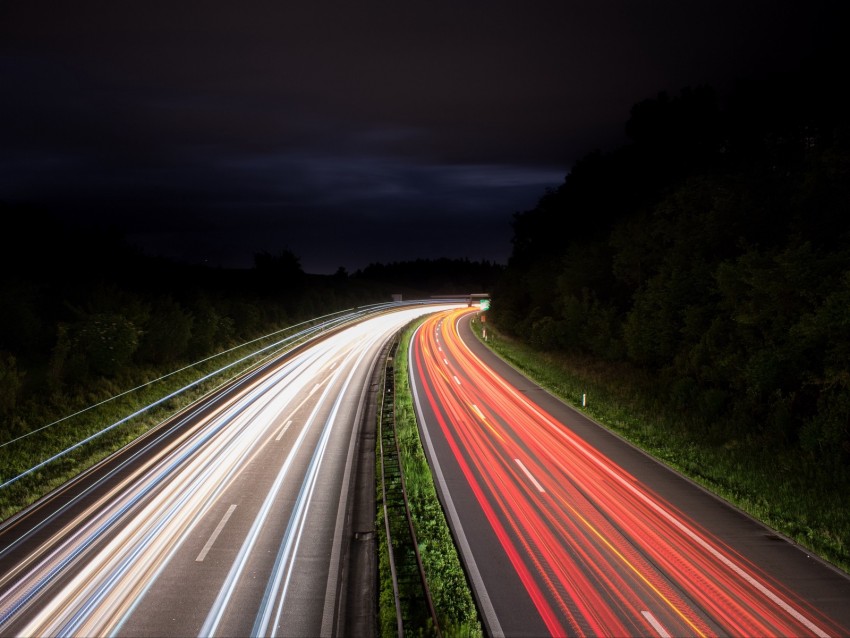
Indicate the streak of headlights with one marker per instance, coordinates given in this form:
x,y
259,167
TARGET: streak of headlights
x,y
122,542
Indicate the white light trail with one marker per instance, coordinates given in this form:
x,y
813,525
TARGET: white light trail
x,y
150,513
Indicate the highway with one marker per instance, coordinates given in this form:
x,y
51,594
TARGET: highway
x,y
566,529
234,518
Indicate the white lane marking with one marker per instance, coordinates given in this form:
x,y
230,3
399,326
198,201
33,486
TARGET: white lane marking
x,y
479,412
728,562
315,387
215,534
456,379
216,612
283,430
328,614
655,624
284,565
446,361
300,405
530,477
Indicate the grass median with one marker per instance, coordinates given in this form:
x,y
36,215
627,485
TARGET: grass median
x,y
452,597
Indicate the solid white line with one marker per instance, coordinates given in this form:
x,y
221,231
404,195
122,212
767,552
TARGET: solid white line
x,y
329,612
655,624
283,430
216,612
215,534
811,626
487,610
530,477
785,606
315,387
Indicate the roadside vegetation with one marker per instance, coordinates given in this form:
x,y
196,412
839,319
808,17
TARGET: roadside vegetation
x,y
76,441
92,331
773,486
695,282
456,612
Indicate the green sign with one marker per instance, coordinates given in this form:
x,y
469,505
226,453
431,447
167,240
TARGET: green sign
x,y
485,304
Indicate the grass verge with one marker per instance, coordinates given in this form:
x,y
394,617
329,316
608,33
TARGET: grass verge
x,y
51,442
452,597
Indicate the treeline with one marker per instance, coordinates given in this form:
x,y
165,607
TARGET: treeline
x,y
85,315
712,251
442,276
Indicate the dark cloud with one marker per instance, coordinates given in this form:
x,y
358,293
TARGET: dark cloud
x,y
347,132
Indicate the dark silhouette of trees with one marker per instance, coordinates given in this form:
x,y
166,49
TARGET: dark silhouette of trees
x,y
714,251
426,277
279,271
85,313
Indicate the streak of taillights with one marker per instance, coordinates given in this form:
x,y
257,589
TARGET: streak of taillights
x,y
598,553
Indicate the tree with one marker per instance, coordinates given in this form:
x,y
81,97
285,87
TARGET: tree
x,y
11,380
105,342
166,335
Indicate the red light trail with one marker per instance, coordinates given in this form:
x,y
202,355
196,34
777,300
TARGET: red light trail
x,y
597,552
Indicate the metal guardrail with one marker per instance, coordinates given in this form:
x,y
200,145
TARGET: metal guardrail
x,y
296,334
395,501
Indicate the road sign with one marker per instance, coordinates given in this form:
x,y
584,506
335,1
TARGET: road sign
x,y
485,304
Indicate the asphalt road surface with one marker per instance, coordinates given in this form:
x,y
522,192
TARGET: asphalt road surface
x,y
235,518
566,529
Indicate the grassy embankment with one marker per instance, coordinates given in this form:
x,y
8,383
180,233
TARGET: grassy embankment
x,y
783,491
452,598
18,456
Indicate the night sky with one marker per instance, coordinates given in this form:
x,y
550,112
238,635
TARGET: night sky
x,y
347,132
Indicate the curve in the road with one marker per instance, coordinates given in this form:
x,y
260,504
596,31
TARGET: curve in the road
x,y
561,539
234,519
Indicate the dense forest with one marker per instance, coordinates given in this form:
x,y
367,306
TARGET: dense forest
x,y
85,315
711,251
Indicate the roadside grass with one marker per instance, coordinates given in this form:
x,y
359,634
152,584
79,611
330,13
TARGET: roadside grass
x,y
105,422
450,592
776,487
